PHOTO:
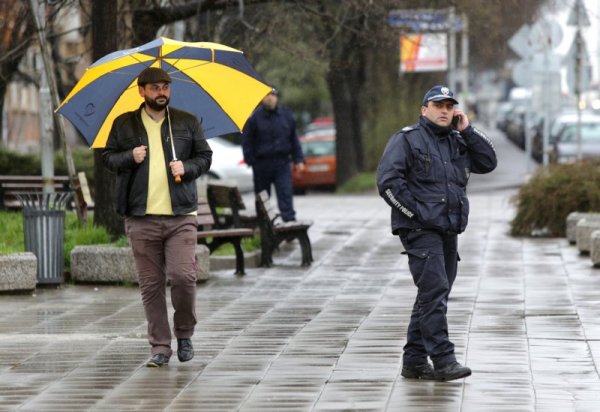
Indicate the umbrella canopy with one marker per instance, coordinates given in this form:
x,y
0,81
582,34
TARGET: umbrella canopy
x,y
210,80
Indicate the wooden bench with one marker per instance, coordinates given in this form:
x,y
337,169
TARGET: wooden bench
x,y
220,237
227,206
273,231
11,186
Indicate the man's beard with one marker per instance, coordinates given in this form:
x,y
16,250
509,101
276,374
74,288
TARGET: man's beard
x,y
154,105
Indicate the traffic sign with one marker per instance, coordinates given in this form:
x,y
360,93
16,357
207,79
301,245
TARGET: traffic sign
x,y
545,35
522,74
519,42
578,16
420,21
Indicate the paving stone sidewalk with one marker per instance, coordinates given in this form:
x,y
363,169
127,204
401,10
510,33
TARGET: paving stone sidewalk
x,y
524,315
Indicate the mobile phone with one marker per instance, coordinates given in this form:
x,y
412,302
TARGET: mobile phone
x,y
455,121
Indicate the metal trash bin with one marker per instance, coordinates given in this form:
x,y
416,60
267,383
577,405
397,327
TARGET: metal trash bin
x,y
44,230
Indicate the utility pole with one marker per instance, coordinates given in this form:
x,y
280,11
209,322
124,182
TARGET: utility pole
x,y
578,67
45,116
451,49
579,18
41,36
464,57
46,128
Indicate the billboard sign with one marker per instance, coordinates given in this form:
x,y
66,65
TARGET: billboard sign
x,y
423,52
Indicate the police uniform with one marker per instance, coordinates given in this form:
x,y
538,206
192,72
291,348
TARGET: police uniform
x,y
423,175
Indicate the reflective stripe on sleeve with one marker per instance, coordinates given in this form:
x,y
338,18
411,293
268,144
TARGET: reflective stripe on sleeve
x,y
399,205
484,137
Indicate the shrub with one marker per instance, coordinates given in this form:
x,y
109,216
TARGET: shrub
x,y
17,164
12,163
544,202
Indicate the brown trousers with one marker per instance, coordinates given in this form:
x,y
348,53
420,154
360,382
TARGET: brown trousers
x,y
164,247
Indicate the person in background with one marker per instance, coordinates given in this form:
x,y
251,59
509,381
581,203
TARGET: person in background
x,y
270,143
423,176
158,197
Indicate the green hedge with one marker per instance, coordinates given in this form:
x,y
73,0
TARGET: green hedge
x,y
552,193
13,163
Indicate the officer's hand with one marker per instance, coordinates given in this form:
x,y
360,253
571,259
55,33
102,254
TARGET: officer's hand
x,y
139,154
463,120
299,167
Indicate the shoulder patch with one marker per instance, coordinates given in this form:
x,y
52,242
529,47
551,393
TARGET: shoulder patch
x,y
407,129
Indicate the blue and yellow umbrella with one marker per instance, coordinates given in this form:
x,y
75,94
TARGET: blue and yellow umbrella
x,y
213,81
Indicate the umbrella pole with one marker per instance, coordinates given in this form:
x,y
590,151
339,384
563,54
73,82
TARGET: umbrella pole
x,y
177,178
55,103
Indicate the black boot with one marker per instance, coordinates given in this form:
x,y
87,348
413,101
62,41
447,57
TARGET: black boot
x,y
423,371
451,372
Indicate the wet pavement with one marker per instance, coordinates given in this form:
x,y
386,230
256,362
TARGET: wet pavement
x,y
524,315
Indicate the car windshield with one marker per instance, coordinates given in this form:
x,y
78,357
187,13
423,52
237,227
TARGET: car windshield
x,y
318,148
590,132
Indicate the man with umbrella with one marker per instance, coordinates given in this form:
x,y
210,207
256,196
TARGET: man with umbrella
x,y
157,153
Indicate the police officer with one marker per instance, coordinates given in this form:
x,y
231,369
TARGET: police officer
x,y
423,175
270,143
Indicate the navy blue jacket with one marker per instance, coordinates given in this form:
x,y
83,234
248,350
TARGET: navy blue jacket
x,y
270,135
424,171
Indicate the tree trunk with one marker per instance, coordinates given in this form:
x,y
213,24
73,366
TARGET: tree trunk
x,y
3,86
346,82
104,40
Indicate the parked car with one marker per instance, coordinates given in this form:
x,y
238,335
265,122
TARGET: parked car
x,y
565,146
228,164
318,147
320,123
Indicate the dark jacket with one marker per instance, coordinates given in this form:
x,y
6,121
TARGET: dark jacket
x,y
191,148
424,171
270,135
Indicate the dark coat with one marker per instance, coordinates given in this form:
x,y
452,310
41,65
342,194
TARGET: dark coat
x,y
191,148
270,136
424,171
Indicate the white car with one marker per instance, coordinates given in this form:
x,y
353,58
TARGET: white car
x,y
228,165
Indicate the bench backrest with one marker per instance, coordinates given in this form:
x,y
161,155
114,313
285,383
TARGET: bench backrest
x,y
11,186
225,203
266,211
204,218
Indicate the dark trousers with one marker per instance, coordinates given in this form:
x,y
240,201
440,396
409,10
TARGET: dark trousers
x,y
278,173
432,259
164,247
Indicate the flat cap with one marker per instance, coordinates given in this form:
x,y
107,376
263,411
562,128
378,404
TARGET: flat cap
x,y
153,75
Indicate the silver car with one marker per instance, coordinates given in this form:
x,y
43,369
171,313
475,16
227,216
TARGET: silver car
x,y
565,145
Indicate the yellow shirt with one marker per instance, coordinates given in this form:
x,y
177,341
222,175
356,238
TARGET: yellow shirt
x,y
159,196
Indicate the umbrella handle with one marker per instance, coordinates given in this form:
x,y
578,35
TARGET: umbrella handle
x,y
177,178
